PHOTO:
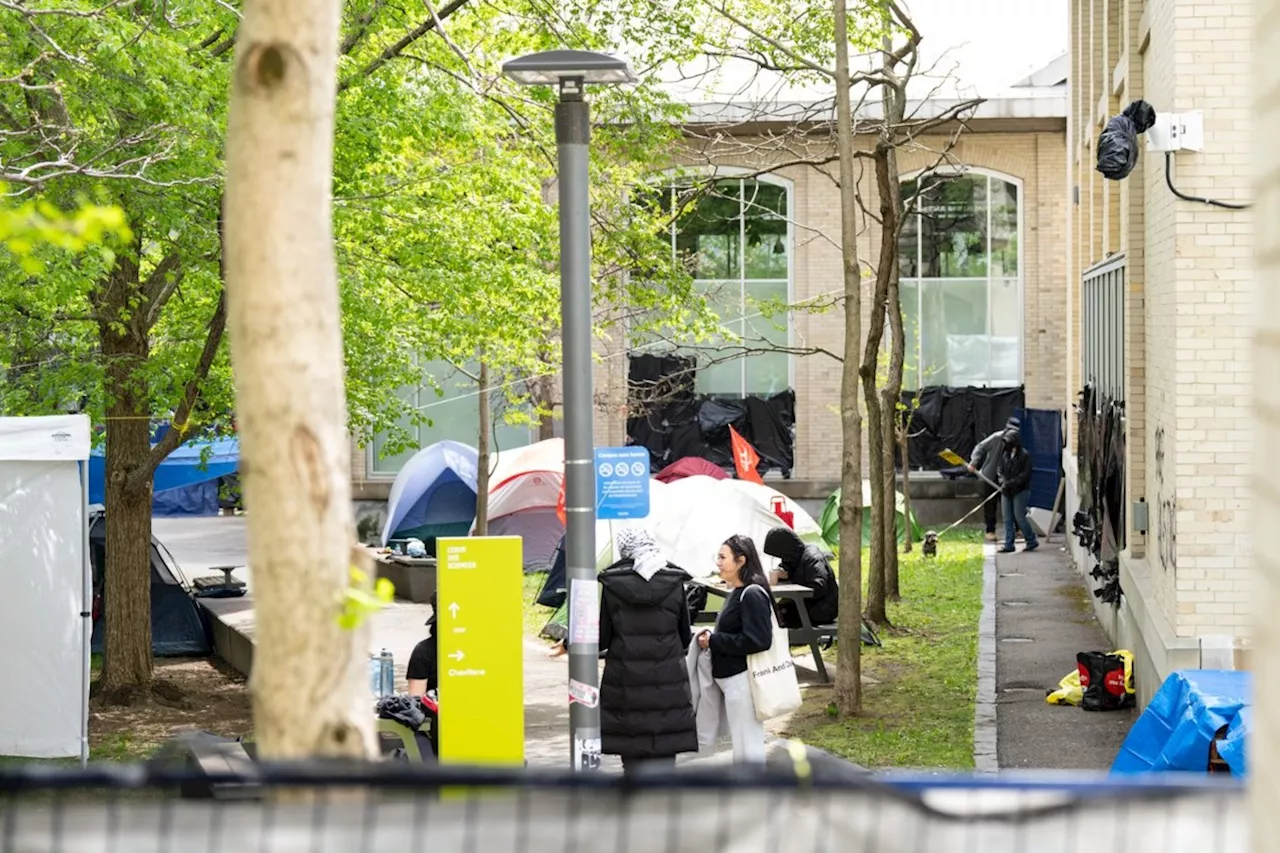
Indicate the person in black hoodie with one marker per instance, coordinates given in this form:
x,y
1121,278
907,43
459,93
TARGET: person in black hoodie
x,y
804,565
1015,490
646,709
744,627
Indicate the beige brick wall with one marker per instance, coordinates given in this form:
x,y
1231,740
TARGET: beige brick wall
x,y
1036,159
1265,738
1190,291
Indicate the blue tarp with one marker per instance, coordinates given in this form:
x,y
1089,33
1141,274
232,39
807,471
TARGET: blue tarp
x,y
434,494
185,467
1042,437
1183,718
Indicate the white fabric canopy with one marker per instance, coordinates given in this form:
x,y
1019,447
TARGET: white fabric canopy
x,y
44,618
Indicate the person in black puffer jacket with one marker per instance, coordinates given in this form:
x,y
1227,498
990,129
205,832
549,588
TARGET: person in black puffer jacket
x,y
646,709
804,565
1015,491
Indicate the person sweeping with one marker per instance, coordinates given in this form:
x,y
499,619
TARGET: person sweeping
x,y
1014,473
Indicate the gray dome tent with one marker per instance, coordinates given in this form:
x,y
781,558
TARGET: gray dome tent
x,y
178,626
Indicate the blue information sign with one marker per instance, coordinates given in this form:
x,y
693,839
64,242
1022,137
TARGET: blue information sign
x,y
622,482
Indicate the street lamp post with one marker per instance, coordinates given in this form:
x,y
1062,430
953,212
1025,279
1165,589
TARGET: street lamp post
x,y
571,71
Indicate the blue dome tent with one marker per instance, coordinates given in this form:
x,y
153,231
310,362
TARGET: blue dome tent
x,y
433,495
186,483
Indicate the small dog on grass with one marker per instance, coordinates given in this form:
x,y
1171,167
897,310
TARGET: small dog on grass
x,y
930,545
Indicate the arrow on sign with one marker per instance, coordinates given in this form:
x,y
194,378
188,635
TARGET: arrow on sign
x,y
457,656
453,610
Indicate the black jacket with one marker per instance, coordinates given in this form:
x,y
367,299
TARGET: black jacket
x,y
1015,469
745,626
645,705
806,566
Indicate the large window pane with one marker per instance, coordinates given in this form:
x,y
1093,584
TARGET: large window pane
x,y
909,296
1006,333
765,220
765,374
708,231
953,226
954,321
453,412
1004,228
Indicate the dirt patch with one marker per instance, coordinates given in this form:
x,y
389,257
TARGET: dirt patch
x,y
192,694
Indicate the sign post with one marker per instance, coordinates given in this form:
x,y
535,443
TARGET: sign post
x,y
622,482
481,651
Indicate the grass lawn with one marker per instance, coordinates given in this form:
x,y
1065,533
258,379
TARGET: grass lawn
x,y
920,713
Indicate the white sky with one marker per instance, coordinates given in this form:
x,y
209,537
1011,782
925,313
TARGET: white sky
x,y
986,45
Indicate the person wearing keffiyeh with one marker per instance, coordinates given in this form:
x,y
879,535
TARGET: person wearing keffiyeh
x,y
646,709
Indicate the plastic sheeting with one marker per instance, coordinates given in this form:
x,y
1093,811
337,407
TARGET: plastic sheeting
x,y
1183,718
955,418
43,524
197,461
1042,437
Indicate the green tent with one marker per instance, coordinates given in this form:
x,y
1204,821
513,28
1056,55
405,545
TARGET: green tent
x,y
830,521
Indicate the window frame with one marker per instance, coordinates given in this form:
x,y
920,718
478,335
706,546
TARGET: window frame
x,y
671,180
989,175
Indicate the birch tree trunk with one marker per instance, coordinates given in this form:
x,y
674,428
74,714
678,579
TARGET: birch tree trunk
x,y
310,696
848,687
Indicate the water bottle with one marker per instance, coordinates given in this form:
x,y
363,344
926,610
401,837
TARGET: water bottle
x,y
388,670
375,675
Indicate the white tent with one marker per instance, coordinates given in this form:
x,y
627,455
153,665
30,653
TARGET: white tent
x,y
44,615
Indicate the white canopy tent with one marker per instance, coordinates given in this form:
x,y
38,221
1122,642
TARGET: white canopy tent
x,y
45,611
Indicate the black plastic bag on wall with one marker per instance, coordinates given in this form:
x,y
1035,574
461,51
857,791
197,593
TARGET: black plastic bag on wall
x,y
1118,144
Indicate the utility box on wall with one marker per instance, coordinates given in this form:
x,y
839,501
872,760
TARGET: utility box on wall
x,y
1177,132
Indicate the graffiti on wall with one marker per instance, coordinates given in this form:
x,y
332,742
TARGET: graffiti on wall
x,y
1168,533
1160,454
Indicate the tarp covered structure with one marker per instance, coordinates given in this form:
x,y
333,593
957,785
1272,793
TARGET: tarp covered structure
x,y
524,487
433,495
178,625
690,466
831,518
1184,717
186,482
44,706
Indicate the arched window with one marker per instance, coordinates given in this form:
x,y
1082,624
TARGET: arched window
x,y
734,237
961,280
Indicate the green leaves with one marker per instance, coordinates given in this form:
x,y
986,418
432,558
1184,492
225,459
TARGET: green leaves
x,y
362,598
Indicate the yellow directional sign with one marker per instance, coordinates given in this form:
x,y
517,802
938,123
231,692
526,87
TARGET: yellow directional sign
x,y
481,648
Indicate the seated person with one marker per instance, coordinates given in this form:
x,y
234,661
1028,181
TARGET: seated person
x,y
804,565
423,675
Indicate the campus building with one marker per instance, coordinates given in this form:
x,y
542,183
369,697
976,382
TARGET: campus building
x,y
983,273
1160,301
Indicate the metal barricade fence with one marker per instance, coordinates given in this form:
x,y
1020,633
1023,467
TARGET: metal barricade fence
x,y
378,808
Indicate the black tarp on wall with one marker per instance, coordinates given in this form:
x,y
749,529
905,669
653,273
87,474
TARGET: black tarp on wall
x,y
956,418
673,422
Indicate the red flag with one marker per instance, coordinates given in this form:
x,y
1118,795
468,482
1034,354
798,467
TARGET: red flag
x,y
745,458
560,513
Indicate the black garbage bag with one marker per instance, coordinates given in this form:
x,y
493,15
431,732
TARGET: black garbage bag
x,y
1118,144
1106,679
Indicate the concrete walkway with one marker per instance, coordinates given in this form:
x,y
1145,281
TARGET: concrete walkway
x,y
198,544
1043,617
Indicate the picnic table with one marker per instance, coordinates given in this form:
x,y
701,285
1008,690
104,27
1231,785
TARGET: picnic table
x,y
807,634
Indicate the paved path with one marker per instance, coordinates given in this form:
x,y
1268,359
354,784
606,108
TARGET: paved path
x,y
198,544
1043,616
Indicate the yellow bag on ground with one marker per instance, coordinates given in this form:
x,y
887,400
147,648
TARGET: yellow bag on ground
x,y
1069,691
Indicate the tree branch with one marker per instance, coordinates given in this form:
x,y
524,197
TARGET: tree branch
x,y
191,394
396,49
160,285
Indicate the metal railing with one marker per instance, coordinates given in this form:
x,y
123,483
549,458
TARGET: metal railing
x,y
326,808
1102,326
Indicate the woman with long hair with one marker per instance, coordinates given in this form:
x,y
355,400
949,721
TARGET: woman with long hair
x,y
744,627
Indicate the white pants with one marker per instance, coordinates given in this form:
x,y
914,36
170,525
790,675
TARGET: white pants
x,y
747,732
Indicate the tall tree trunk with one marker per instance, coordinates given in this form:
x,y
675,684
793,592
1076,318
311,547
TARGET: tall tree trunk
x,y
122,334
482,447
880,543
904,423
889,493
286,353
848,687
890,224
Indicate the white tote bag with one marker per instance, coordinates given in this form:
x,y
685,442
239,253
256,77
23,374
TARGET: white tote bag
x,y
774,688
